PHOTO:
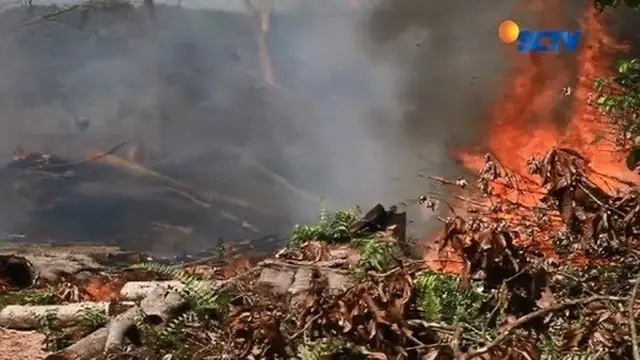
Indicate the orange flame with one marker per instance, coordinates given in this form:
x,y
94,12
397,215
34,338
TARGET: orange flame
x,y
595,61
100,289
526,121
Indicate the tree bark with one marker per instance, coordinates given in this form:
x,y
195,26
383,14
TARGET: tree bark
x,y
85,349
155,309
135,290
26,317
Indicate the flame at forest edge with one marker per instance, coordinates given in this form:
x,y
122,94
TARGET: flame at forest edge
x,y
524,123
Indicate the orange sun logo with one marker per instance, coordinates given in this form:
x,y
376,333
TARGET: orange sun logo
x,y
508,31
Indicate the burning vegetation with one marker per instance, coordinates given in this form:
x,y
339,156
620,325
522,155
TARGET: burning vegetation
x,y
539,260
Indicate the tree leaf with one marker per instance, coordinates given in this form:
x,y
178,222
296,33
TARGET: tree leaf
x,y
624,66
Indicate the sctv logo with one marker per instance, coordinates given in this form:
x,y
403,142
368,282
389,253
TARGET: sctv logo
x,y
539,41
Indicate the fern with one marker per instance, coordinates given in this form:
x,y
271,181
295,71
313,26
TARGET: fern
x,y
376,254
49,326
428,300
331,227
31,297
92,317
172,334
441,300
202,298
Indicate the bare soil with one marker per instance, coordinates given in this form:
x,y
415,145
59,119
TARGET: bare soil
x,y
21,345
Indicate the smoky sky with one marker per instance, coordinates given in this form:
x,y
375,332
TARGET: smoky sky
x,y
366,96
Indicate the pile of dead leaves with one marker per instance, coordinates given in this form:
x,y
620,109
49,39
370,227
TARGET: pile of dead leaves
x,y
545,262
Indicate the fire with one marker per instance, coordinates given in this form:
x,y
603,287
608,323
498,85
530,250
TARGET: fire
x,y
595,61
526,121
101,289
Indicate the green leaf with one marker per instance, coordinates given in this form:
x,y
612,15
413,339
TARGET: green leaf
x,y
624,66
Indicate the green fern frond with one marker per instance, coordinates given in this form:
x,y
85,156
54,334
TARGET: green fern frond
x,y
196,291
376,254
331,227
440,299
93,317
174,326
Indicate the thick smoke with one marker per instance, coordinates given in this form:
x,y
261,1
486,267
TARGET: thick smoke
x,y
367,96
449,69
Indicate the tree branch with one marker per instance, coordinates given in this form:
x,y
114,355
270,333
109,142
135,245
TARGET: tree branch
x,y
521,321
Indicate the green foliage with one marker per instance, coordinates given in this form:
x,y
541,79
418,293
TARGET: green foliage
x,y
376,254
331,227
603,4
440,299
619,97
170,338
30,297
627,80
27,297
204,301
55,337
93,317
49,325
614,280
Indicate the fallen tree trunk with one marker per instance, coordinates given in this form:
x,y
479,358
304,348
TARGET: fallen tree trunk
x,y
294,276
156,309
21,272
27,317
135,290
84,349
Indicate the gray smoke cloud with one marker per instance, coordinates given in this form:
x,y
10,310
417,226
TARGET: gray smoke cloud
x,y
352,122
